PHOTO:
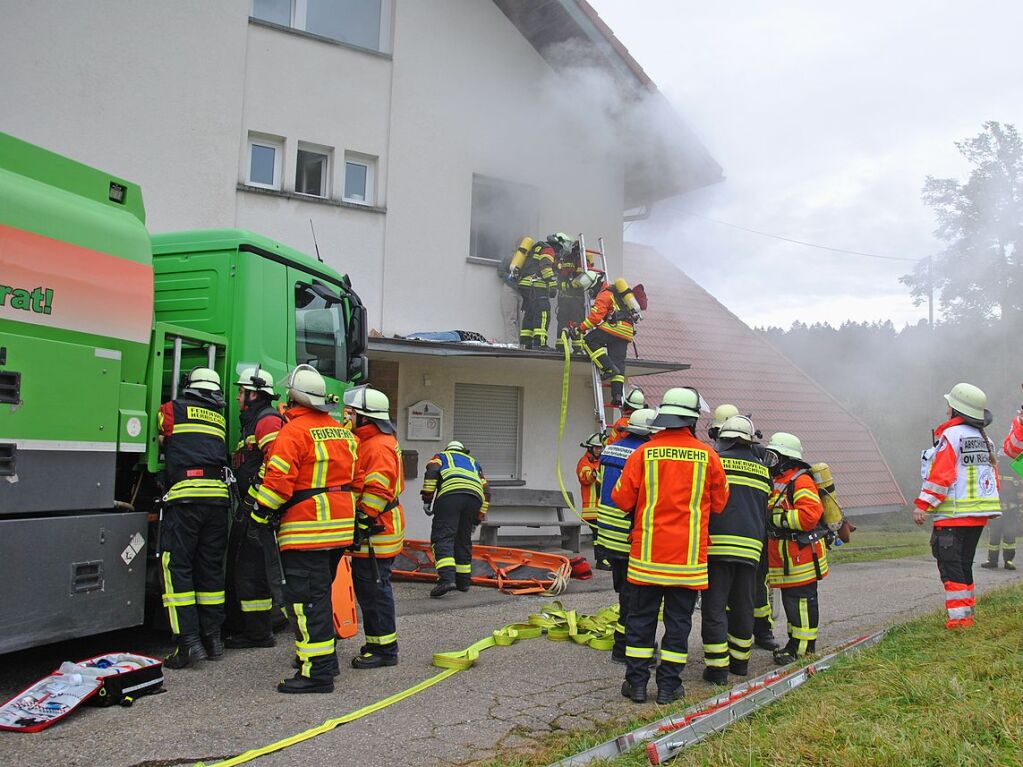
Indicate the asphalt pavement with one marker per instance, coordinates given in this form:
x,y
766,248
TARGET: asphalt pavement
x,y
512,694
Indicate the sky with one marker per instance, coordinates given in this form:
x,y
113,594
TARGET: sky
x,y
826,118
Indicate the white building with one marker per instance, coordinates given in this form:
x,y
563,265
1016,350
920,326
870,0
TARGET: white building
x,y
421,137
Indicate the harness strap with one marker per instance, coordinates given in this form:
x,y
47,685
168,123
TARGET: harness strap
x,y
312,492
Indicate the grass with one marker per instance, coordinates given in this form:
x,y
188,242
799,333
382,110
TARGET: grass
x,y
869,544
924,696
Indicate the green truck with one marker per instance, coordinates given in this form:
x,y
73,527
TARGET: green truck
x,y
98,322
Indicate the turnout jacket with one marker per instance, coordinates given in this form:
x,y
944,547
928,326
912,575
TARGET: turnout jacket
x,y
799,511
1013,444
381,468
617,430
260,426
672,483
312,451
538,271
960,485
737,533
452,471
195,448
610,314
613,524
589,484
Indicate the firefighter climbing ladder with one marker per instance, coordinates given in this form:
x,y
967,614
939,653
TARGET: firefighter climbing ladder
x,y
599,413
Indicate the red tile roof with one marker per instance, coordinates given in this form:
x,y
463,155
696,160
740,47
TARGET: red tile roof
x,y
731,363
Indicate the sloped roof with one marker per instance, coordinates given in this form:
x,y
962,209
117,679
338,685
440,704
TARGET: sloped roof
x,y
731,363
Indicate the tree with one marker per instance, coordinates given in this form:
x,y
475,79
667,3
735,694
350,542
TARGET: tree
x,y
978,275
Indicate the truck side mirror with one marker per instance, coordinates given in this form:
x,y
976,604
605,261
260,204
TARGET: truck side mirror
x,y
358,369
357,338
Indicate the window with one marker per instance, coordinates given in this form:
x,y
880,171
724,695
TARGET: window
x,y
356,22
312,171
320,331
488,419
503,212
359,177
265,156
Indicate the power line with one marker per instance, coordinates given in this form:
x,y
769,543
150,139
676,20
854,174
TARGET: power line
x,y
803,242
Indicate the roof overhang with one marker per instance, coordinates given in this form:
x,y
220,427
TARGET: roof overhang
x,y
404,349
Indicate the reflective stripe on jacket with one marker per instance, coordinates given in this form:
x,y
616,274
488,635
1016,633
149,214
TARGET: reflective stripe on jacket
x,y
383,479
672,483
613,524
737,534
195,450
610,314
617,430
801,510
312,450
453,471
1013,444
538,271
959,478
259,430
589,485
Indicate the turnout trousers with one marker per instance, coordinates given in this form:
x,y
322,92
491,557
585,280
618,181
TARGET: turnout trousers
x,y
1002,533
954,548
608,352
376,600
571,309
727,615
763,621
619,567
641,633
193,537
308,575
803,614
454,516
249,595
536,318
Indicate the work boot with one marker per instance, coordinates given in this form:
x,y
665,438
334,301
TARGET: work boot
x,y
635,694
712,675
442,588
603,564
670,696
214,645
784,657
299,684
188,652
463,584
766,642
618,658
989,565
738,667
1009,565
372,660
244,641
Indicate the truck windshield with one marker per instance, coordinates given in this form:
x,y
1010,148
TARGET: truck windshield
x,y
320,333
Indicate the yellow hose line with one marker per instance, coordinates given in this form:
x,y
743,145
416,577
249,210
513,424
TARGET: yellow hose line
x,y
559,624
565,378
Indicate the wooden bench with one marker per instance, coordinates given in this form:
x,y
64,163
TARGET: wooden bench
x,y
524,507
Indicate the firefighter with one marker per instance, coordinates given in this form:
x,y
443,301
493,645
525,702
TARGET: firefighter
x,y
456,493
379,514
615,525
571,297
606,333
632,402
960,493
671,484
250,602
733,553
309,488
538,285
721,414
1002,531
589,482
193,432
797,558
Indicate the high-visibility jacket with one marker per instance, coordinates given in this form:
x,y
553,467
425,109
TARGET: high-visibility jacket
x,y
312,451
672,483
453,471
589,484
960,481
538,271
737,534
617,430
259,430
195,449
610,314
613,524
383,479
1013,444
792,511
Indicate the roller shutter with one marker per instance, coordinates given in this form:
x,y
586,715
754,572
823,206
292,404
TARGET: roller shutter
x,y
488,420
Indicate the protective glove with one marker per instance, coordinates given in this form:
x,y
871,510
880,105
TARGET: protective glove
x,y
480,516
428,508
552,291
261,515
573,331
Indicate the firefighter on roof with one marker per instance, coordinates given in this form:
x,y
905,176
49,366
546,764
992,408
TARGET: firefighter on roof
x,y
456,492
193,431
671,484
571,297
538,285
250,601
382,518
960,493
309,489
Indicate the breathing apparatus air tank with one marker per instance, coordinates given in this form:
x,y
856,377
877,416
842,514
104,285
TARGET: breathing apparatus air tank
x,y
623,289
833,514
520,255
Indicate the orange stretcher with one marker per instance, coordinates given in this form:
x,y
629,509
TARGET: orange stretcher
x,y
342,597
513,571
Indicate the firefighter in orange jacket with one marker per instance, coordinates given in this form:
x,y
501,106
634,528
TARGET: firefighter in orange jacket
x,y
380,518
634,400
586,471
960,493
796,553
310,486
606,334
671,484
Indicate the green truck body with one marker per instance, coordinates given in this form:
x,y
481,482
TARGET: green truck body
x,y
98,321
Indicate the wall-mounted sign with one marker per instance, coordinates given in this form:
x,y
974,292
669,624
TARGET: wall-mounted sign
x,y
425,421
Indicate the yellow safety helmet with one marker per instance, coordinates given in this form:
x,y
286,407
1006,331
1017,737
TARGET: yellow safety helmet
x,y
786,444
679,407
738,427
256,379
306,387
456,445
371,403
635,399
722,413
641,422
204,379
594,440
967,399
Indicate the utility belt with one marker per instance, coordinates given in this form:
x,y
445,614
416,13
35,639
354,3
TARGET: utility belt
x,y
199,472
304,495
802,539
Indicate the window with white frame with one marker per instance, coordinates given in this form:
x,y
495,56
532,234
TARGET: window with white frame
x,y
265,160
360,172
502,213
488,421
356,22
312,170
